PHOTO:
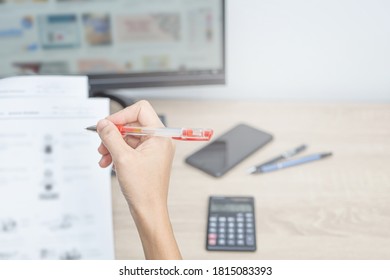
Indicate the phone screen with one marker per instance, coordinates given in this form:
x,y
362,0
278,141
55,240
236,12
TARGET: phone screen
x,y
229,149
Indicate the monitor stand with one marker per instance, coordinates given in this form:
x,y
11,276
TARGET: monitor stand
x,y
122,100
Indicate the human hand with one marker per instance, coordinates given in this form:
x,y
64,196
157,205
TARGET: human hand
x,y
143,166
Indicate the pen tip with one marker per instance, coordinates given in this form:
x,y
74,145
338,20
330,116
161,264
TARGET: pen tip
x,y
91,128
251,170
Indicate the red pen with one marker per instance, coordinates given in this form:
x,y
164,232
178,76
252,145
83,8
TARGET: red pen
x,y
186,134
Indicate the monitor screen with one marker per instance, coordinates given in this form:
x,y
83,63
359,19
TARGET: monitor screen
x,y
118,43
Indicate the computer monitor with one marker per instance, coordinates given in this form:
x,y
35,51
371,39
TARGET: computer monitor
x,y
118,43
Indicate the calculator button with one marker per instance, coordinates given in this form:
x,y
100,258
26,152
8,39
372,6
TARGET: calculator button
x,y
213,219
222,219
249,230
221,230
212,242
240,230
230,219
212,236
222,235
212,230
240,219
230,230
231,236
240,236
240,242
221,242
231,225
240,225
250,243
212,224
250,240
249,215
249,225
222,224
212,239
231,242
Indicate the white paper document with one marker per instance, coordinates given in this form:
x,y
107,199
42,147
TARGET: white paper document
x,y
44,86
55,201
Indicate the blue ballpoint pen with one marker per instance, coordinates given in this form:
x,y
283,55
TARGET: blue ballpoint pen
x,y
293,162
284,156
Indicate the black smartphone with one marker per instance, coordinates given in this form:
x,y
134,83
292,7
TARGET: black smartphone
x,y
221,155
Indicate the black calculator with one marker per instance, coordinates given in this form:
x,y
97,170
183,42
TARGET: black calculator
x,y
231,224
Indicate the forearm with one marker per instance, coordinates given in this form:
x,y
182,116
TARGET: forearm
x,y
155,231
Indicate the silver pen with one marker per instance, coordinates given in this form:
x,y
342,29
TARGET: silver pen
x,y
285,155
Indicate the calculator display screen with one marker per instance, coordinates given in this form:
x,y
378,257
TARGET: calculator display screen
x,y
231,207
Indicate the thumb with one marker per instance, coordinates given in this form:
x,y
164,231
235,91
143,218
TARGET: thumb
x,y
111,138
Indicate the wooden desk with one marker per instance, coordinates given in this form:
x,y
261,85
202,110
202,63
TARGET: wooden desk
x,y
338,208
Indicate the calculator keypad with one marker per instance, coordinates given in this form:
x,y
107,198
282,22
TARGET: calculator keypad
x,y
231,232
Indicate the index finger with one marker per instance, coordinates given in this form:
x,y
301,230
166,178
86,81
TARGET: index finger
x,y
141,112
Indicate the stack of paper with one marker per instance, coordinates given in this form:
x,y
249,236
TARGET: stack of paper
x,y
55,201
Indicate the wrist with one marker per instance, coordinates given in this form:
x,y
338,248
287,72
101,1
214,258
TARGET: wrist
x,y
156,234
150,212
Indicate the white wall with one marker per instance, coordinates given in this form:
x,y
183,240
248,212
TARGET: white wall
x,y
302,50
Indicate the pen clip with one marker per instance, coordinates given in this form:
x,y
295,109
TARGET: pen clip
x,y
195,134
294,152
